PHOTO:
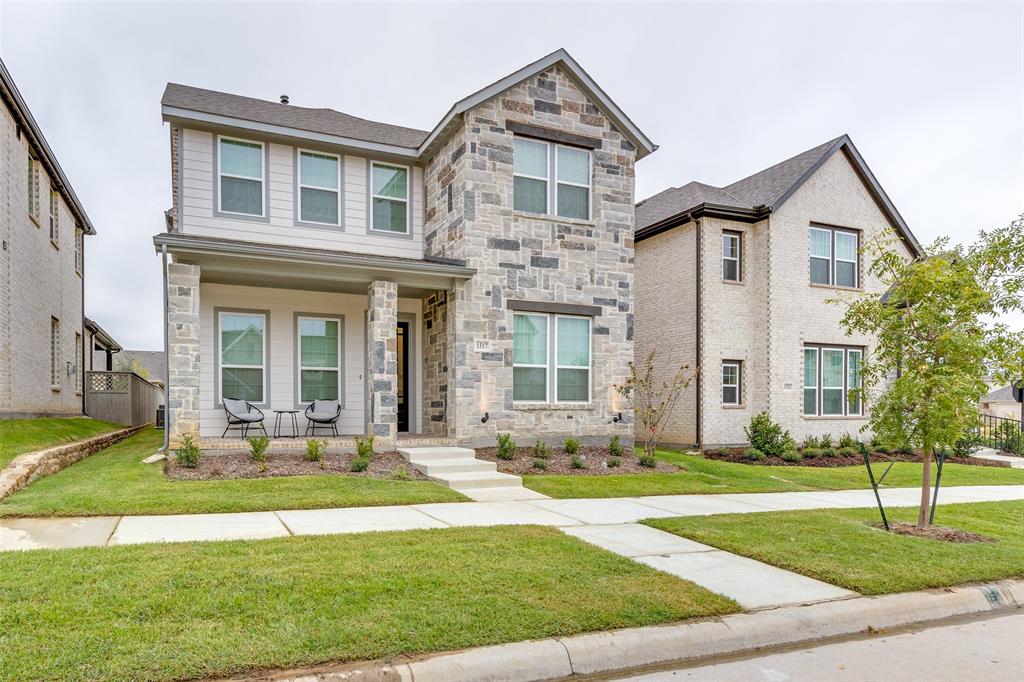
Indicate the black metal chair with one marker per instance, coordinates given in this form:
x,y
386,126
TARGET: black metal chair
x,y
242,415
322,414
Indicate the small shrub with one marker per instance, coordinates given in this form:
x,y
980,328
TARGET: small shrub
x,y
809,443
767,436
905,450
615,447
646,460
577,462
848,451
967,445
863,449
364,447
825,441
541,450
753,454
315,450
400,473
813,453
189,454
540,463
360,463
847,441
258,451
614,462
828,452
723,452
506,446
571,446
791,456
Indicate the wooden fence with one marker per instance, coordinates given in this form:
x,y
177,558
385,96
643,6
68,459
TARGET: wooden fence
x,y
121,397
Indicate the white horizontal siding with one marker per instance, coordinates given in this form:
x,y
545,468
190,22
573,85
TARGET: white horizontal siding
x,y
282,305
199,205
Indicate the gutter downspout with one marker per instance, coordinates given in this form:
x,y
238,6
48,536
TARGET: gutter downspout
x,y
167,361
700,317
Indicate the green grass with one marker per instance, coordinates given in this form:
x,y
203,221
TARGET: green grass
x,y
113,481
18,436
839,547
700,475
162,612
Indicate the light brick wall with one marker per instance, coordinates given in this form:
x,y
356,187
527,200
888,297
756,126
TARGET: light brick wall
x,y
37,282
533,258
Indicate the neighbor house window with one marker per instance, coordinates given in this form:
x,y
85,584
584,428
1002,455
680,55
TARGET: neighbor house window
x,y
319,188
79,370
829,376
390,198
731,382
243,356
240,167
833,255
550,357
534,163
54,353
33,188
319,358
731,256
79,249
55,217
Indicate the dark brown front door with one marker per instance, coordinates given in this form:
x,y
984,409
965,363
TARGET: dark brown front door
x,y
403,376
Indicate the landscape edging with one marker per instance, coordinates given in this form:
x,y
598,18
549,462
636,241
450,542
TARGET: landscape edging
x,y
623,650
26,468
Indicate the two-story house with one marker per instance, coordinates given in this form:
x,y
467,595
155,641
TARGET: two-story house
x,y
459,282
42,270
735,280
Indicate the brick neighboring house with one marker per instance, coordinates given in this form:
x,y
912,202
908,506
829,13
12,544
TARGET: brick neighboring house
x,y
472,279
734,279
42,256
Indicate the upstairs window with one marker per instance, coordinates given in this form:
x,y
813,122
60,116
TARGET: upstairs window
x,y
731,382
319,188
534,163
830,374
55,217
731,256
241,170
550,357
33,188
833,255
389,198
79,250
242,350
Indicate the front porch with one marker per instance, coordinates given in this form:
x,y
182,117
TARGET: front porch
x,y
343,443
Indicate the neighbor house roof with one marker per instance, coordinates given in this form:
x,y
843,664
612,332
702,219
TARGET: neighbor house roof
x,y
328,125
100,335
26,122
1000,395
150,360
754,197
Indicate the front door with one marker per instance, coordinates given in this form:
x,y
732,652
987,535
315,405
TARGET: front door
x,y
403,377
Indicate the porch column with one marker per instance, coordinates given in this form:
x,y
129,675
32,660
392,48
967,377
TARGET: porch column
x,y
183,351
382,361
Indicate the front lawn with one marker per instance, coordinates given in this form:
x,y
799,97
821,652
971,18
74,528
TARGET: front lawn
x,y
18,436
698,475
113,481
163,612
840,547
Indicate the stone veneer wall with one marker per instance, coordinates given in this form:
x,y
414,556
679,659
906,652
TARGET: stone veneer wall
x,y
183,350
382,360
531,257
435,363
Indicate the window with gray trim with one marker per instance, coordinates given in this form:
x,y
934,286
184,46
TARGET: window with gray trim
x,y
732,382
535,163
240,173
318,358
389,198
731,256
242,351
833,256
551,357
55,217
319,188
830,376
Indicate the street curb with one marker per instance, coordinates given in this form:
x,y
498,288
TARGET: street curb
x,y
604,652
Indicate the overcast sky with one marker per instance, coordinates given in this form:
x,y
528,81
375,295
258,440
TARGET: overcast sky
x,y
932,95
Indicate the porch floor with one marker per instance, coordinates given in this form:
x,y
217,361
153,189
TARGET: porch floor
x,y
405,440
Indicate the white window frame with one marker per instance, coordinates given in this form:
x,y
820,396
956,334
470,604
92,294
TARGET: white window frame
x,y
298,355
55,218
553,379
836,259
408,197
738,259
546,179
33,189
588,186
823,387
221,365
262,179
55,353
817,380
739,381
833,257
860,399
301,185
547,364
819,388
79,250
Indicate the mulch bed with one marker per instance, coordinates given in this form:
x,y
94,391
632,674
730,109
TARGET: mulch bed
x,y
942,533
737,456
238,464
596,459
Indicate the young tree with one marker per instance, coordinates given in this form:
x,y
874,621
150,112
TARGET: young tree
x,y
131,365
654,402
934,331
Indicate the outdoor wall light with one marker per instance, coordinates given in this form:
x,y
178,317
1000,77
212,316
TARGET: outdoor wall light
x,y
483,419
617,418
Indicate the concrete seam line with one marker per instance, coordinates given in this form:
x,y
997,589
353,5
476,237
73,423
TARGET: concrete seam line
x,y
112,531
572,668
281,521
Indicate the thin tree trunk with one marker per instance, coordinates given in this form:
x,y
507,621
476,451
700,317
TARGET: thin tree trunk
x,y
926,479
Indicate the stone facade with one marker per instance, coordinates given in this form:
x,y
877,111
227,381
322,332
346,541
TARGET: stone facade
x,y
469,216
183,350
382,361
435,363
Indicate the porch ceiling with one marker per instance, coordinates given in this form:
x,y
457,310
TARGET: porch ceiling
x,y
225,261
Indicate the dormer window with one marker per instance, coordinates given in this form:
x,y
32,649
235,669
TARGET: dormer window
x,y
241,171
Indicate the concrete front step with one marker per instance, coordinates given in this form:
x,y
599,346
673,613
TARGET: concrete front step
x,y
437,467
482,479
434,453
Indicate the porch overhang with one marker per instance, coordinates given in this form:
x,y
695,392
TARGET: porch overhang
x,y
229,261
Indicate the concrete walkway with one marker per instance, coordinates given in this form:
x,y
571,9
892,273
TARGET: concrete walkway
x,y
994,455
608,523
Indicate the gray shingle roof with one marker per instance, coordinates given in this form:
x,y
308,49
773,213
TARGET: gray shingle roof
x,y
1004,394
764,188
327,121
